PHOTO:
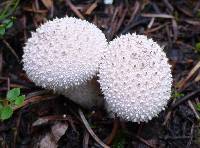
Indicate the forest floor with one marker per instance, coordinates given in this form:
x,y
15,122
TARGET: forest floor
x,y
175,25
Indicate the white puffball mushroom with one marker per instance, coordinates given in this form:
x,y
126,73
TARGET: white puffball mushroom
x,y
135,78
64,53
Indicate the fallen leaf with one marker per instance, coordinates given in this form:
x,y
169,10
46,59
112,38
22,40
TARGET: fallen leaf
x,y
58,130
47,142
50,139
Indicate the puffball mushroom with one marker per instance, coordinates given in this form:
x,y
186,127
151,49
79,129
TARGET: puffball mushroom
x,y
64,53
135,78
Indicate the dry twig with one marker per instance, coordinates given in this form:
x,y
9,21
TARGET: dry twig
x,y
114,132
185,98
157,15
181,84
11,49
90,130
74,9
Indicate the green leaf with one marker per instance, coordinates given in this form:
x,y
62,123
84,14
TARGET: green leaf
x,y
8,23
1,106
6,113
198,46
198,107
9,9
2,30
119,141
198,14
19,100
176,95
13,94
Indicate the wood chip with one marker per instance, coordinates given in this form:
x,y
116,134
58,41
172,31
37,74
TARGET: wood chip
x,y
175,29
157,15
91,8
151,22
47,3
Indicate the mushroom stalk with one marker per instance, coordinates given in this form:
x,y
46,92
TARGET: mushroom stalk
x,y
87,95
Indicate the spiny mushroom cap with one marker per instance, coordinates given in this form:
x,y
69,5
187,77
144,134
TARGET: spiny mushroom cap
x,y
135,78
63,53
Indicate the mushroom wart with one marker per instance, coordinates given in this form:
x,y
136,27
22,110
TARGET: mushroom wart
x,y
64,53
135,78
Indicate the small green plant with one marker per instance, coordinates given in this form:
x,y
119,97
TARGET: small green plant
x,y
198,107
8,9
13,99
6,21
198,14
119,141
6,24
197,47
176,95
